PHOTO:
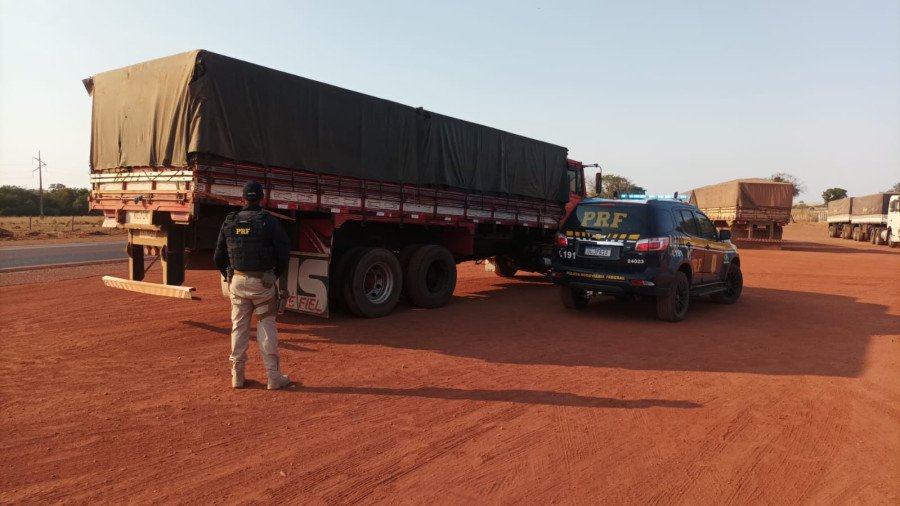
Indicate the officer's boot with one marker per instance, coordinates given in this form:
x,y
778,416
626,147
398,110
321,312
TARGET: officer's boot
x,y
277,381
237,376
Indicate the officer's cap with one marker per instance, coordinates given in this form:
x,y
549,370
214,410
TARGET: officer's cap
x,y
253,191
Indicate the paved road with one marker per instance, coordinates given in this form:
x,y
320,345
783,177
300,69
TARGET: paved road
x,y
54,254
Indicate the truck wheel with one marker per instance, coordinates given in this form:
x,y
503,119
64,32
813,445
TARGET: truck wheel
x,y
339,275
504,267
673,306
740,232
372,283
406,253
431,276
873,236
831,231
573,298
734,285
890,239
778,232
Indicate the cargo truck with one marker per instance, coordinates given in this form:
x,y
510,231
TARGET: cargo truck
x,y
874,218
755,210
379,198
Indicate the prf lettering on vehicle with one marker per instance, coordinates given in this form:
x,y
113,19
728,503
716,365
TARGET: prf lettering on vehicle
x,y
602,237
592,219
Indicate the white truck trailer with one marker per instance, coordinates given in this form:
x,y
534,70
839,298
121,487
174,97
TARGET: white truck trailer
x,y
874,218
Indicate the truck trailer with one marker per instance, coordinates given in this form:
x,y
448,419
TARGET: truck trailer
x,y
378,197
874,218
755,210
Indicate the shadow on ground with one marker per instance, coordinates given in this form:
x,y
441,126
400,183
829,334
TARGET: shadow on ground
x,y
768,331
773,332
514,396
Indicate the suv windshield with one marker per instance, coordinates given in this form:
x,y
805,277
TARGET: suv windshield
x,y
610,218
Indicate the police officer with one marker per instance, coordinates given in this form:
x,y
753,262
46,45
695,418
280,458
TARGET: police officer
x,y
252,251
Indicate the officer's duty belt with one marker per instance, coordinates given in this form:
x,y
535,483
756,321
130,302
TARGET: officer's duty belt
x,y
252,274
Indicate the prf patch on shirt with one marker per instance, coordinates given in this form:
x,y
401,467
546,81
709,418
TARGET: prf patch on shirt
x,y
242,231
592,219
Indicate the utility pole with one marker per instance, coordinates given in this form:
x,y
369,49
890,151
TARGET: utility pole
x,y
40,171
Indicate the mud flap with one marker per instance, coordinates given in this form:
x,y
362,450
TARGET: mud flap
x,y
307,276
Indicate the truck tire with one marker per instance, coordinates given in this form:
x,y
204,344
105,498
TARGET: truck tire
x,y
406,253
504,267
831,231
372,282
430,276
573,298
778,232
734,285
740,232
890,239
673,306
873,236
339,275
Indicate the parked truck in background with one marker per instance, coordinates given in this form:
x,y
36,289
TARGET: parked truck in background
x,y
874,218
378,197
755,210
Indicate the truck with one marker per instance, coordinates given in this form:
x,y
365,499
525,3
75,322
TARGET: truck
x,y
874,218
379,198
754,210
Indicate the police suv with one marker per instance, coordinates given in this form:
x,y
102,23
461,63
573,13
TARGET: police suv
x,y
665,249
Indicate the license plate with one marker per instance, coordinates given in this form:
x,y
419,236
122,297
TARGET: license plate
x,y
601,251
139,217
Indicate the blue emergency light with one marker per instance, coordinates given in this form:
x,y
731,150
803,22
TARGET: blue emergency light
x,y
642,196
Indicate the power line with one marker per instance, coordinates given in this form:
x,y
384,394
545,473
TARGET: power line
x,y
40,172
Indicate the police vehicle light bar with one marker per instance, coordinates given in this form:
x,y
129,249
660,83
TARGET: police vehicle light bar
x,y
643,196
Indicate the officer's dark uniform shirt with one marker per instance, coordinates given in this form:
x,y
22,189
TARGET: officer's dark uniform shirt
x,y
252,240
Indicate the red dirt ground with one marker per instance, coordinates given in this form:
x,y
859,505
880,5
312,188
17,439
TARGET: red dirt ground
x,y
791,395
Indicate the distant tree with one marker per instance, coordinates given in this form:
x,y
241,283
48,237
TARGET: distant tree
x,y
635,189
781,177
58,201
896,188
614,185
833,194
16,201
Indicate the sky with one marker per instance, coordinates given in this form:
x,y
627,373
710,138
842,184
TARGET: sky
x,y
672,95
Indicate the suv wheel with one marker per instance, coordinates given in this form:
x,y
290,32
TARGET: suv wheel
x,y
734,285
574,298
673,306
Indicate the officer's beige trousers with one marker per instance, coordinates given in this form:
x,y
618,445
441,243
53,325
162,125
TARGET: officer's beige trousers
x,y
248,297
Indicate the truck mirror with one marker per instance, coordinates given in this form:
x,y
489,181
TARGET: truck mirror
x,y
598,183
724,235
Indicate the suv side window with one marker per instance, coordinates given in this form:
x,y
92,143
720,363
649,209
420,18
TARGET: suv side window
x,y
686,222
707,229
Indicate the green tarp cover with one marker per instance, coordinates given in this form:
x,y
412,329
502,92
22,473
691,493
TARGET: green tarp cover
x,y
160,113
